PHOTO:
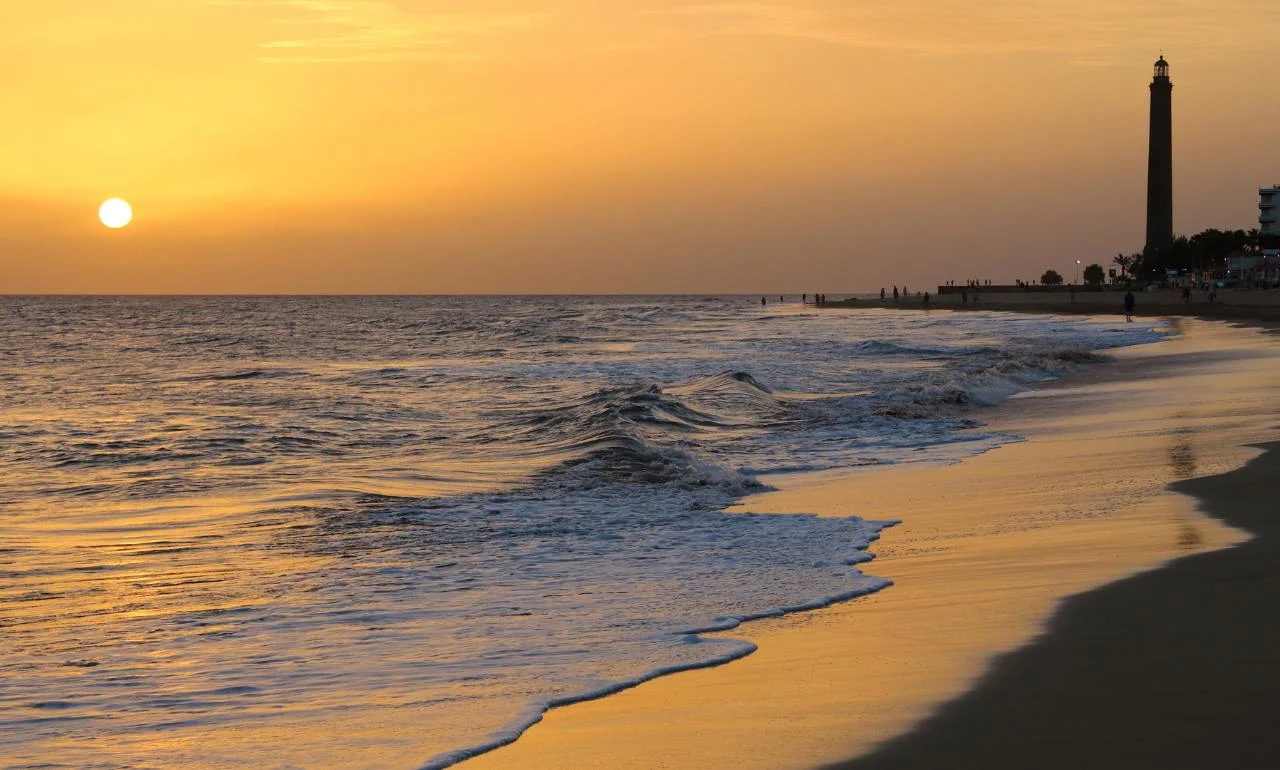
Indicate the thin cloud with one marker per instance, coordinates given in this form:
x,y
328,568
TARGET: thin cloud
x,y
949,28
317,31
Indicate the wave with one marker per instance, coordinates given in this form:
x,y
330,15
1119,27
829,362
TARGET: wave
x,y
721,402
250,374
987,382
886,348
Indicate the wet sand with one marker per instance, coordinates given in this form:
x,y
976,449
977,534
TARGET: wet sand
x,y
986,552
1177,668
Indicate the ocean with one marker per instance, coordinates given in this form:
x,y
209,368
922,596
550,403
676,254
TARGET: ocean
x,y
393,531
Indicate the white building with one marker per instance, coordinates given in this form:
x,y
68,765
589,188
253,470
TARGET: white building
x,y
1268,201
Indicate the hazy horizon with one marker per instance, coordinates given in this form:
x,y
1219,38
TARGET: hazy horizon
x,y
654,146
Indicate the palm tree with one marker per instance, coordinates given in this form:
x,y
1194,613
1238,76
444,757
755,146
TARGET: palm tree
x,y
1124,263
1253,238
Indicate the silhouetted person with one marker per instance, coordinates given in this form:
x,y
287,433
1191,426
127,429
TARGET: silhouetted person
x,y
882,294
780,299
964,296
926,299
804,299
763,302
895,294
1129,302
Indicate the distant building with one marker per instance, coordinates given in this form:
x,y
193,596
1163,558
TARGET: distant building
x,y
1262,270
1240,264
1268,227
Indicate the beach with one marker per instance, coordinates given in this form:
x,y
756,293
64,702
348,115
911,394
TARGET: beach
x,y
987,554
1168,669
394,531
635,524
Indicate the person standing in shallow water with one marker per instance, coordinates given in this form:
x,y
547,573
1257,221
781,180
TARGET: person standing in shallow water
x,y
882,294
1129,302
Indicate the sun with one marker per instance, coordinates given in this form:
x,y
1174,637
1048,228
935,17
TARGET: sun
x,y
115,213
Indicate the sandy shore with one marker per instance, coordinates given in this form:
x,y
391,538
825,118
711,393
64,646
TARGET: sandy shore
x,y
1177,668
987,550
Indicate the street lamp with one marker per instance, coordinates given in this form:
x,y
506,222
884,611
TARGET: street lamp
x,y
1077,271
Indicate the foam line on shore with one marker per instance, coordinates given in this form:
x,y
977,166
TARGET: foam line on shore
x,y
738,649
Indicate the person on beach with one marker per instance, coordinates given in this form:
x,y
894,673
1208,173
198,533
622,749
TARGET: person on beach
x,y
1129,302
895,293
964,296
882,294
763,302
926,299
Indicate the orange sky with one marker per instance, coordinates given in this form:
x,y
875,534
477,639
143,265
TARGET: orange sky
x,y
440,146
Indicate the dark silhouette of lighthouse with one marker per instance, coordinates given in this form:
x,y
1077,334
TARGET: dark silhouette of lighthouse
x,y
1160,162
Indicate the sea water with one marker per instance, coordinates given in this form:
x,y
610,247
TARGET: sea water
x,y
370,532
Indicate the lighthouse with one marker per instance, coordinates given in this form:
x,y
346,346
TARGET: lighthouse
x,y
1160,162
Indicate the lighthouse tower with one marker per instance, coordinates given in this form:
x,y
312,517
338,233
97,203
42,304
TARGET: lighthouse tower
x,y
1160,161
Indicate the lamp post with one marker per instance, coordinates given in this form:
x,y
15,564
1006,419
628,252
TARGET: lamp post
x,y
1077,271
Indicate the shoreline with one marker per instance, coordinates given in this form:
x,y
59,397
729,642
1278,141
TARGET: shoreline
x,y
844,679
1173,668
1149,305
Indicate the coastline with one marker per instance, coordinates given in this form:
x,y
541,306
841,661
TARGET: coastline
x,y
1255,306
986,552
1175,668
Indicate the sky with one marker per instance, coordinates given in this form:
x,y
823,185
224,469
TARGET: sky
x,y
612,146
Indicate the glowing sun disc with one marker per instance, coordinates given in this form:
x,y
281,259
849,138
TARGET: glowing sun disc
x,y
115,213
